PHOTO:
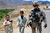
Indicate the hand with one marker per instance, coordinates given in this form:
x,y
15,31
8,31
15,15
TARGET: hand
x,y
17,26
28,25
6,24
45,25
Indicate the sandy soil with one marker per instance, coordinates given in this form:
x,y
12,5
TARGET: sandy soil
x,y
27,11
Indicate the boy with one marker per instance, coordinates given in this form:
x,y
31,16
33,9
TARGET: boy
x,y
8,25
21,21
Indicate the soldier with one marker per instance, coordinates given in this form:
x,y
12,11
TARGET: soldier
x,y
8,24
21,23
35,18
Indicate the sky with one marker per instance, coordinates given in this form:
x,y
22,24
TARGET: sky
x,y
36,0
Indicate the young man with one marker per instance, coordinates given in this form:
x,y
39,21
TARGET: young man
x,y
8,24
34,18
22,22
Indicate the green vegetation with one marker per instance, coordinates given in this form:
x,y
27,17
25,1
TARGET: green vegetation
x,y
4,11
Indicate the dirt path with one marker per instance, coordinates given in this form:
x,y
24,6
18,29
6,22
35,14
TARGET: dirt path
x,y
27,30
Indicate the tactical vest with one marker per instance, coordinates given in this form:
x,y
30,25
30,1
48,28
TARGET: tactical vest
x,y
35,16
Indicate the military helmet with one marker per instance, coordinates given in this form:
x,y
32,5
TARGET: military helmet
x,y
35,4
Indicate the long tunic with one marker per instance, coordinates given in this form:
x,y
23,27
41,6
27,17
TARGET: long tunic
x,y
22,23
9,28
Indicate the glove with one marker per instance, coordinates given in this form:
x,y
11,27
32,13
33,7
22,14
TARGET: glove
x,y
45,25
30,24
39,24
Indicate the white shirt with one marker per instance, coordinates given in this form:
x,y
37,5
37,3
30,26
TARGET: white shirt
x,y
4,23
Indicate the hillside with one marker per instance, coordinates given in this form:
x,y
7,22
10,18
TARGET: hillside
x,y
11,4
4,4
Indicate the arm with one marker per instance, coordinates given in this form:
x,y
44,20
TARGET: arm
x,y
26,21
29,19
45,21
4,23
18,22
44,17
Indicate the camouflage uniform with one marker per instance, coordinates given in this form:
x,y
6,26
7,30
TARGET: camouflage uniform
x,y
34,19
